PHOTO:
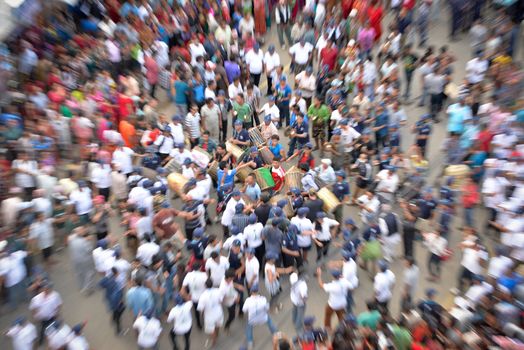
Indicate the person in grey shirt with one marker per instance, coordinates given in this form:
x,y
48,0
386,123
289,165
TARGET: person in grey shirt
x,y
411,274
273,236
80,252
435,83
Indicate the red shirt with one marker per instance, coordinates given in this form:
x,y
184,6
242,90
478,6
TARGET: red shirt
x,y
408,4
125,106
470,195
329,56
484,138
307,159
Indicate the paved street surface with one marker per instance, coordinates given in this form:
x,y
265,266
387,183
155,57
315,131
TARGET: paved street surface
x,y
78,307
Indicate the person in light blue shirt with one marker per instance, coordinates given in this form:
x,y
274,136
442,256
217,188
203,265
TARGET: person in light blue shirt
x,y
469,135
458,113
139,299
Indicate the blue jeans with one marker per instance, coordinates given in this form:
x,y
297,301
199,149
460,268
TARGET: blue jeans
x,y
468,216
16,294
297,316
249,330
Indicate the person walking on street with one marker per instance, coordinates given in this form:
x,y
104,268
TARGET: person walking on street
x,y
81,253
256,307
45,307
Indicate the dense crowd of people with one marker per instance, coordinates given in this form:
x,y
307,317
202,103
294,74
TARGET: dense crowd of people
x,y
231,175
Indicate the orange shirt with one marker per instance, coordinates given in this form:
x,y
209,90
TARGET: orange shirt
x,y
128,132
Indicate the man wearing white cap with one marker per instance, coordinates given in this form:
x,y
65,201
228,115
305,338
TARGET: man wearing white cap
x,y
325,172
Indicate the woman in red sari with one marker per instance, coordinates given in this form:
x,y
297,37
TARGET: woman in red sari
x,y
375,14
259,7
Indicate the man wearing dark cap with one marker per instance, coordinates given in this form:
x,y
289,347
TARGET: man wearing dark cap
x,y
23,334
273,236
263,209
314,204
306,229
337,291
240,219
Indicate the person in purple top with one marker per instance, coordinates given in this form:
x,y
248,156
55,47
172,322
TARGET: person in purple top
x,y
232,68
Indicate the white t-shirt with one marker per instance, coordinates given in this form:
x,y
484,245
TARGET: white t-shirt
x,y
252,234
386,182
210,303
104,259
471,259
196,50
57,339
229,293
165,144
383,285
256,307
303,224
146,251
475,70
16,271
148,331
347,136
181,317
82,200
24,180
23,337
77,342
301,53
349,272
298,293
217,270
498,265
273,111
271,61
101,176
45,306
123,157
325,232
337,291
42,232
255,61
306,84
252,267
195,281
246,26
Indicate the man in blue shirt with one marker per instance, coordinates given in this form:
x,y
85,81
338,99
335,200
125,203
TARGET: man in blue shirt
x,y
139,298
283,95
423,129
381,127
341,191
240,135
299,134
458,113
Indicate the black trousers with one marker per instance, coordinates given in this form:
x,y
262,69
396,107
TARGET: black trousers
x,y
187,339
223,135
322,251
269,85
116,316
231,311
197,315
408,239
43,326
255,78
105,192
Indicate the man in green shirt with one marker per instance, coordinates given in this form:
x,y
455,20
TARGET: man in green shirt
x,y
319,115
242,111
410,64
370,318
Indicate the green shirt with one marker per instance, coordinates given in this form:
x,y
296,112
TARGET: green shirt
x,y
401,338
317,115
243,112
369,319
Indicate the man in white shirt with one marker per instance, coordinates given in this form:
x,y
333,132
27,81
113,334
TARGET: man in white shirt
x,y
149,329
23,334
13,271
255,63
41,203
252,267
101,177
387,183
41,231
235,88
210,305
165,142
9,209
196,49
147,250
182,320
325,172
307,83
500,263
194,285
229,211
271,109
306,230
177,130
256,308
103,257
337,300
82,200
369,205
301,54
323,236
298,296
476,69
383,284
271,62
216,267
58,335
45,307
369,77
123,156
26,171
473,259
